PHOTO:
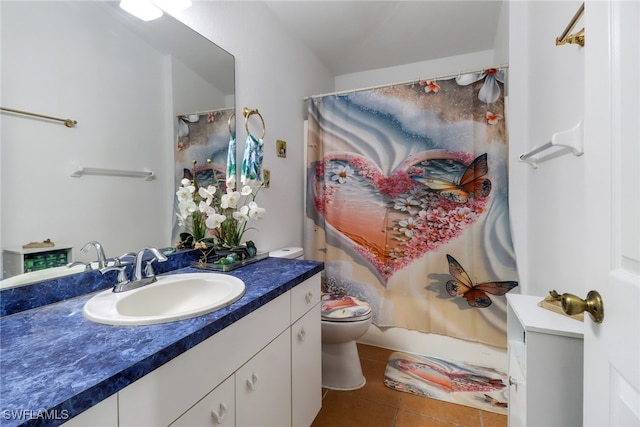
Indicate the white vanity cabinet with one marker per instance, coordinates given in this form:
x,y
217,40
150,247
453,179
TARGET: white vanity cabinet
x,y
545,365
264,369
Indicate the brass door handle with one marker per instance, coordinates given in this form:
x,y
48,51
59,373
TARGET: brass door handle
x,y
572,304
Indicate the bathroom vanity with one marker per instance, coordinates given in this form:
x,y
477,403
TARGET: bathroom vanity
x,y
255,362
545,365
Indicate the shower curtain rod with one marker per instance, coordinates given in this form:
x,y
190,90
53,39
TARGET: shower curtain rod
x,y
208,111
440,77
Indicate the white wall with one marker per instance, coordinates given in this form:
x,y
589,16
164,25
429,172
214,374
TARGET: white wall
x,y
546,95
274,72
416,71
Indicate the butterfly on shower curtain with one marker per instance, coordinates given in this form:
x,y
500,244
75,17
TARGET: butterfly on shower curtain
x,y
472,184
476,295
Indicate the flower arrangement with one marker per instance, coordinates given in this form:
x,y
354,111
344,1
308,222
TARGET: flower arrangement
x,y
213,219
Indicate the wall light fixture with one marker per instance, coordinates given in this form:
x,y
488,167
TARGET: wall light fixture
x,y
148,10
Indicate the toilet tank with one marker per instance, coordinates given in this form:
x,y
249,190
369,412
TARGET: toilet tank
x,y
288,252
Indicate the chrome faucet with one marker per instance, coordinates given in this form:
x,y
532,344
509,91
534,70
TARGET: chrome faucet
x,y
138,271
102,260
140,276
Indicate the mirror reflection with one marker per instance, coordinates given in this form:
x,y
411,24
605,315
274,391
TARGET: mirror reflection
x,y
132,86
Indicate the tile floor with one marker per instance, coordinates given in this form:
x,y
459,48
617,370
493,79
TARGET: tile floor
x,y
376,405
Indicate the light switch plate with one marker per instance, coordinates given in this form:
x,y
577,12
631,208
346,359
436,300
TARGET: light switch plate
x,y
266,174
281,148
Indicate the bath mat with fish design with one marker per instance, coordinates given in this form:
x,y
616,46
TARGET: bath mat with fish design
x,y
455,382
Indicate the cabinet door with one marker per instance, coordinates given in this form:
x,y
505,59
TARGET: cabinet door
x,y
517,386
103,414
306,368
215,409
263,386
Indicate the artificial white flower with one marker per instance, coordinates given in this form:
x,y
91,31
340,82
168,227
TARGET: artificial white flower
x,y
207,193
255,212
188,206
207,216
215,220
203,206
231,181
241,215
182,218
229,200
185,193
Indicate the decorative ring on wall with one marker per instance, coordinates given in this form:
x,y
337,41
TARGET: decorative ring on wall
x,y
231,117
246,112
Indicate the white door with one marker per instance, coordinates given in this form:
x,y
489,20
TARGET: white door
x,y
612,196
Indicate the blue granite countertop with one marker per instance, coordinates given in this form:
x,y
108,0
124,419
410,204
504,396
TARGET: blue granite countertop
x,y
54,360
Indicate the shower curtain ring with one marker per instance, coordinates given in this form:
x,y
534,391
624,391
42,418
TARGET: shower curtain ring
x,y
248,113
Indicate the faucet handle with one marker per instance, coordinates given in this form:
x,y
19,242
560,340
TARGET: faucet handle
x,y
122,274
124,259
148,269
87,266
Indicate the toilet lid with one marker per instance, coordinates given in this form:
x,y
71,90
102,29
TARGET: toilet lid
x,y
344,308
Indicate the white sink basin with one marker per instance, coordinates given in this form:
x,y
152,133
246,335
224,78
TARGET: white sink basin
x,y
173,297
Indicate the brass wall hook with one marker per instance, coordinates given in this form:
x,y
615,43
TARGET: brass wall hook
x,y
572,304
576,38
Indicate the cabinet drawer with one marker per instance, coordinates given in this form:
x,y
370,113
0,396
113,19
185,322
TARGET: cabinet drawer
x,y
163,395
304,297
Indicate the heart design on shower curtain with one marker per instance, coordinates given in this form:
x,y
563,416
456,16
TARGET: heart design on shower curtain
x,y
393,219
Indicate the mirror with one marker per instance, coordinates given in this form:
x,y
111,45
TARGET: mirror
x,y
125,82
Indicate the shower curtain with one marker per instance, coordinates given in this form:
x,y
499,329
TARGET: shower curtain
x,y
407,203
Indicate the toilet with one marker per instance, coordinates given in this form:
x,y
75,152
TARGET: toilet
x,y
344,320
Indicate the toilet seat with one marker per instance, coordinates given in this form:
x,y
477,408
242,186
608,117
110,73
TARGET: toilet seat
x,y
344,308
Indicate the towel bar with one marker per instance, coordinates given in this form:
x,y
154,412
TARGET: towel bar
x,y
80,170
569,140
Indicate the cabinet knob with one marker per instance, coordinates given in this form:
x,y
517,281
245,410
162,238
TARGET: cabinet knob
x,y
302,334
251,382
218,416
309,297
